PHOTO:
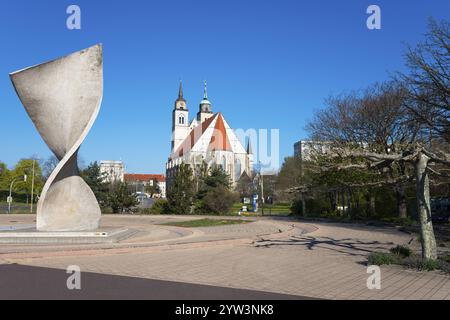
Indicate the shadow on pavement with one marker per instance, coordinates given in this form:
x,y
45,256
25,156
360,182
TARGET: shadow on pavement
x,y
349,246
27,282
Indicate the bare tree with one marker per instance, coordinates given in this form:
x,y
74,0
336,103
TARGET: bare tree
x,y
428,81
375,133
400,130
49,165
373,119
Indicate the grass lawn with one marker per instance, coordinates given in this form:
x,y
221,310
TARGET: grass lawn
x,y
276,209
205,223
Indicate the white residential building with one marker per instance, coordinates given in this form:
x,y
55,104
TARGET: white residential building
x,y
113,170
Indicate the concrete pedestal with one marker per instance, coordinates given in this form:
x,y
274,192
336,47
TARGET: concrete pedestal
x,y
24,234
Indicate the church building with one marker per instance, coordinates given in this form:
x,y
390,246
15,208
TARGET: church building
x,y
206,138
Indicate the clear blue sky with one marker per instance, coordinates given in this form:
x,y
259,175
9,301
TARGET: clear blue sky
x,y
269,64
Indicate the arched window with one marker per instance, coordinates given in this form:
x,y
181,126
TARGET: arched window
x,y
180,120
237,169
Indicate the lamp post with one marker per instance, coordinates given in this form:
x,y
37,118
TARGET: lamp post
x,y
32,187
260,180
262,191
10,192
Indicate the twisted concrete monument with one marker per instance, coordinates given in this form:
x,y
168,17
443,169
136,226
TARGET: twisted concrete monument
x,y
62,98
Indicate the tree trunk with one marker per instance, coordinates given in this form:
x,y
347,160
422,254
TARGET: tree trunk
x,y
334,201
402,206
371,203
356,195
428,240
303,205
349,204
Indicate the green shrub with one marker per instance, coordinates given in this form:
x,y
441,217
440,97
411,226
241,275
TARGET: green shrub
x,y
430,265
382,258
402,251
445,258
444,266
120,198
333,214
399,221
159,207
198,207
145,211
219,200
416,262
296,207
403,256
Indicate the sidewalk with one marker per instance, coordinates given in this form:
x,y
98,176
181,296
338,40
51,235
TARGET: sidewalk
x,y
325,263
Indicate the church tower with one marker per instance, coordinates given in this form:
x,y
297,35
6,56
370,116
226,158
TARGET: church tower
x,y
205,110
180,120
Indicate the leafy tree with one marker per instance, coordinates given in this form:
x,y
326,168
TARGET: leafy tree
x,y
200,173
219,200
4,176
214,195
294,172
96,181
25,167
159,207
290,176
120,198
181,191
268,183
152,189
210,179
290,173
244,185
217,177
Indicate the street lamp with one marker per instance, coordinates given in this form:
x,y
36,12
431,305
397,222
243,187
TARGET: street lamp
x,y
9,200
32,187
261,175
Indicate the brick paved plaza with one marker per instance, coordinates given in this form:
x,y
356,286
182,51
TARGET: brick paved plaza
x,y
276,255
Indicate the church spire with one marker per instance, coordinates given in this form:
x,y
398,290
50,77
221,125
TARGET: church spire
x,y
205,92
205,106
180,91
205,102
180,100
249,147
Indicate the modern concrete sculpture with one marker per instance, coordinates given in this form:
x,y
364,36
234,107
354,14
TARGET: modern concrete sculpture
x,y
62,98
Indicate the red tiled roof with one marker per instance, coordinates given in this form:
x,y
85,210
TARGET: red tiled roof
x,y
219,139
194,136
144,177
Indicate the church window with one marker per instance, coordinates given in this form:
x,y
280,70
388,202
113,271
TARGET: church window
x,y
224,163
237,169
180,120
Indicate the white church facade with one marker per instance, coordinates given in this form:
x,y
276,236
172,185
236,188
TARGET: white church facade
x,y
206,138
